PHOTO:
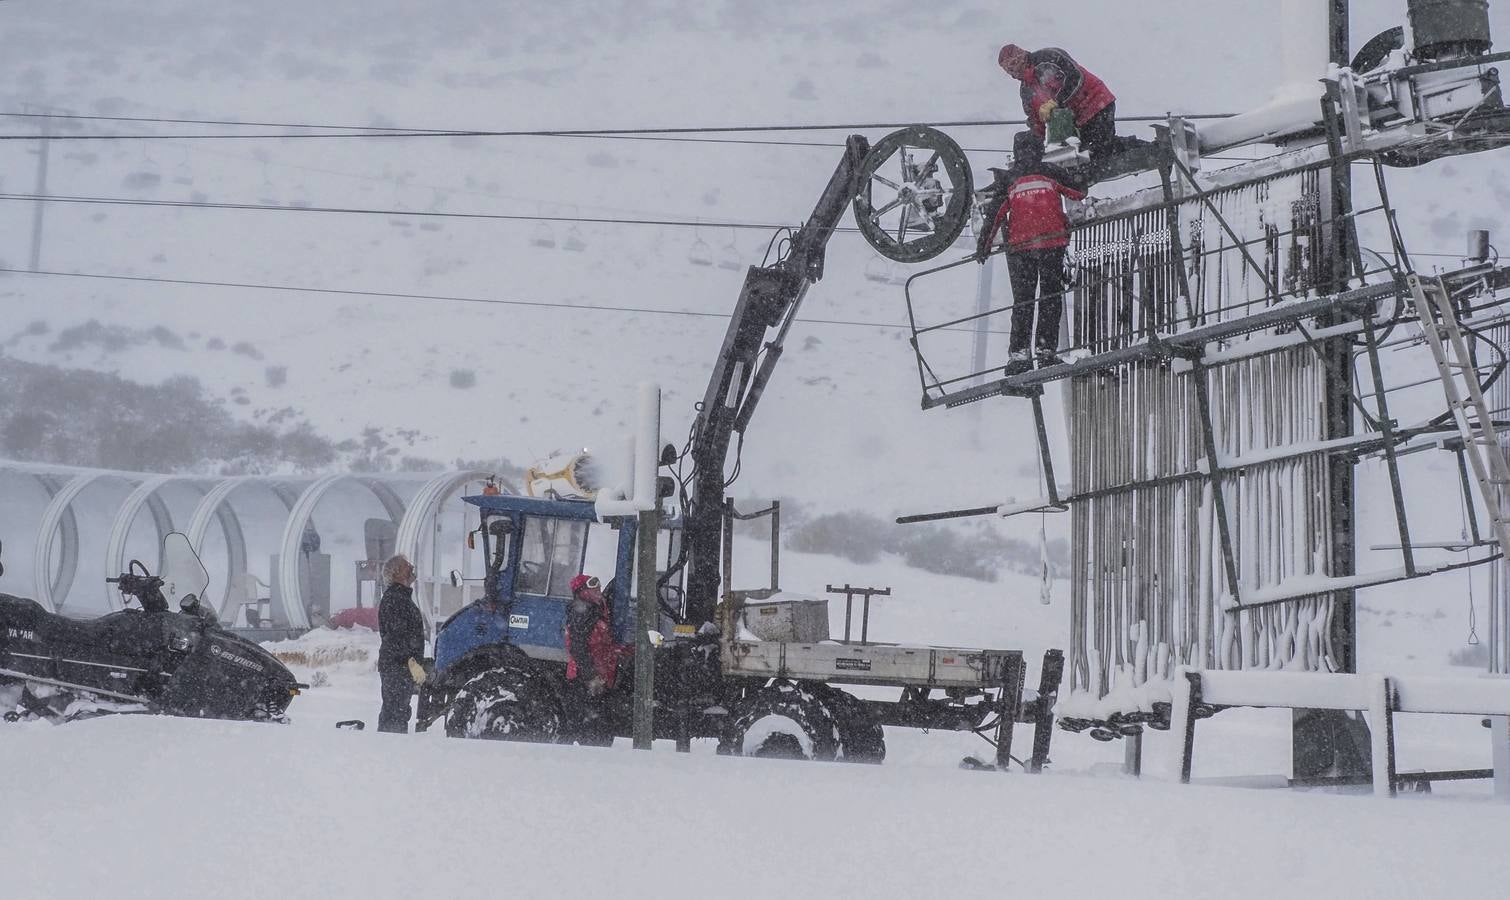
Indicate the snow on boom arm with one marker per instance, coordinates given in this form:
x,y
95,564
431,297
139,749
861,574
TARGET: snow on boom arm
x,y
769,299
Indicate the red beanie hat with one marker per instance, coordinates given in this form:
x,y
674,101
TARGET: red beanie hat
x,y
1013,59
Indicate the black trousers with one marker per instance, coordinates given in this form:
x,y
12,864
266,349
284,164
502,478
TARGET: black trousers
x,y
398,687
1037,284
1099,135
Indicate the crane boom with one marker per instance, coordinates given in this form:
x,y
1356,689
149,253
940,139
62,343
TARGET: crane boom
x,y
769,299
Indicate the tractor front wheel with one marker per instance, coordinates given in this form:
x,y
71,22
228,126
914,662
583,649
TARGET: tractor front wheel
x,y
505,704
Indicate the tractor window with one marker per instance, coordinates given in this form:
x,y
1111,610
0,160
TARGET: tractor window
x,y
551,554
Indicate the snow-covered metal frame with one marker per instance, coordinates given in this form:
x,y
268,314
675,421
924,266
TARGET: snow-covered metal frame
x,y
48,532
1210,527
300,516
420,518
216,505
56,555
146,494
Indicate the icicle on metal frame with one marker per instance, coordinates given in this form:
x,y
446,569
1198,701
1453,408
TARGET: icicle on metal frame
x,y
1149,587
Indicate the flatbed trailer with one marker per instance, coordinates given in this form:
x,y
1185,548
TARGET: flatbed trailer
x,y
1000,677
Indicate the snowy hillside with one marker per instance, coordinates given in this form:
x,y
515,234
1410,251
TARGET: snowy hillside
x,y
545,377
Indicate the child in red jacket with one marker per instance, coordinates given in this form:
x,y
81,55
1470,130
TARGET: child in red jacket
x,y
1037,232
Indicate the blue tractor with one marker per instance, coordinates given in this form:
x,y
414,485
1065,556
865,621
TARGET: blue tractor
x,y
500,663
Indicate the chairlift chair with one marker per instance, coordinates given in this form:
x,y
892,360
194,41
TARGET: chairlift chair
x,y
183,174
574,240
728,257
877,270
543,235
700,254
269,192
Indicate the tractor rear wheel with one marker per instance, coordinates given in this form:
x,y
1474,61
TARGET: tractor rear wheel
x,y
506,704
861,738
783,720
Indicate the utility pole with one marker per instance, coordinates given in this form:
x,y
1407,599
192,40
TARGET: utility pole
x,y
1330,740
646,618
47,126
1339,377
42,151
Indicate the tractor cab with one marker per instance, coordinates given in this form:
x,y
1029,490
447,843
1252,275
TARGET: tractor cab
x,y
533,547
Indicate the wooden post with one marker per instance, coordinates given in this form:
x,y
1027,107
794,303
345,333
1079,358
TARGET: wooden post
x,y
646,618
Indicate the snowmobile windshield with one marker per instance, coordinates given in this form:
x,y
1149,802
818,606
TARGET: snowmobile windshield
x,y
182,573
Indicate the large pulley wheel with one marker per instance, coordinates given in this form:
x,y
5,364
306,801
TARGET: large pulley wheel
x,y
914,194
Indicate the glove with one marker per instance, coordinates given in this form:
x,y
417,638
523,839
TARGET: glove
x,y
416,671
596,687
1047,109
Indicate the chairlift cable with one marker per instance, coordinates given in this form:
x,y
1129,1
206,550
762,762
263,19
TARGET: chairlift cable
x,y
320,131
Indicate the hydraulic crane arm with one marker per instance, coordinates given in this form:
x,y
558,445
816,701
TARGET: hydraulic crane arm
x,y
769,299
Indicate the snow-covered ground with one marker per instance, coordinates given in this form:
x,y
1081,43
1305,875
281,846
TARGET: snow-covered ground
x,y
152,807
156,807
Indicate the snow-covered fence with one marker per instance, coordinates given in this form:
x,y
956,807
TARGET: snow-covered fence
x,y
1198,693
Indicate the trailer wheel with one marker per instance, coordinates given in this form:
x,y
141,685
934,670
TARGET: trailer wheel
x,y
784,721
861,738
505,705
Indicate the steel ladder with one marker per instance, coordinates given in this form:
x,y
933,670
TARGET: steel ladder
x,y
1465,400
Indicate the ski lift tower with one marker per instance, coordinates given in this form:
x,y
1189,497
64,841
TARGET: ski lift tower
x,y
1224,374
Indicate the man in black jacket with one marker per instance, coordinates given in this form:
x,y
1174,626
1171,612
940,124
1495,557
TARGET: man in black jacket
x,y
403,644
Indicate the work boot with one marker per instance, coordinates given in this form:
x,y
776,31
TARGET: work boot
x,y
1018,362
1048,358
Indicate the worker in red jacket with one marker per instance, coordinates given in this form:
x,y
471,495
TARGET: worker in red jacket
x,y
592,656
1052,79
1030,209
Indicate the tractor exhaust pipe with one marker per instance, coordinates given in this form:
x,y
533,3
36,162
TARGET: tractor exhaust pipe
x,y
646,457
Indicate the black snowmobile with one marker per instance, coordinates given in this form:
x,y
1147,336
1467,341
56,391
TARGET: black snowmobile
x,y
150,659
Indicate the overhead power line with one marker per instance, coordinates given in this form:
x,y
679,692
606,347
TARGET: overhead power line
x,y
400,295
348,210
